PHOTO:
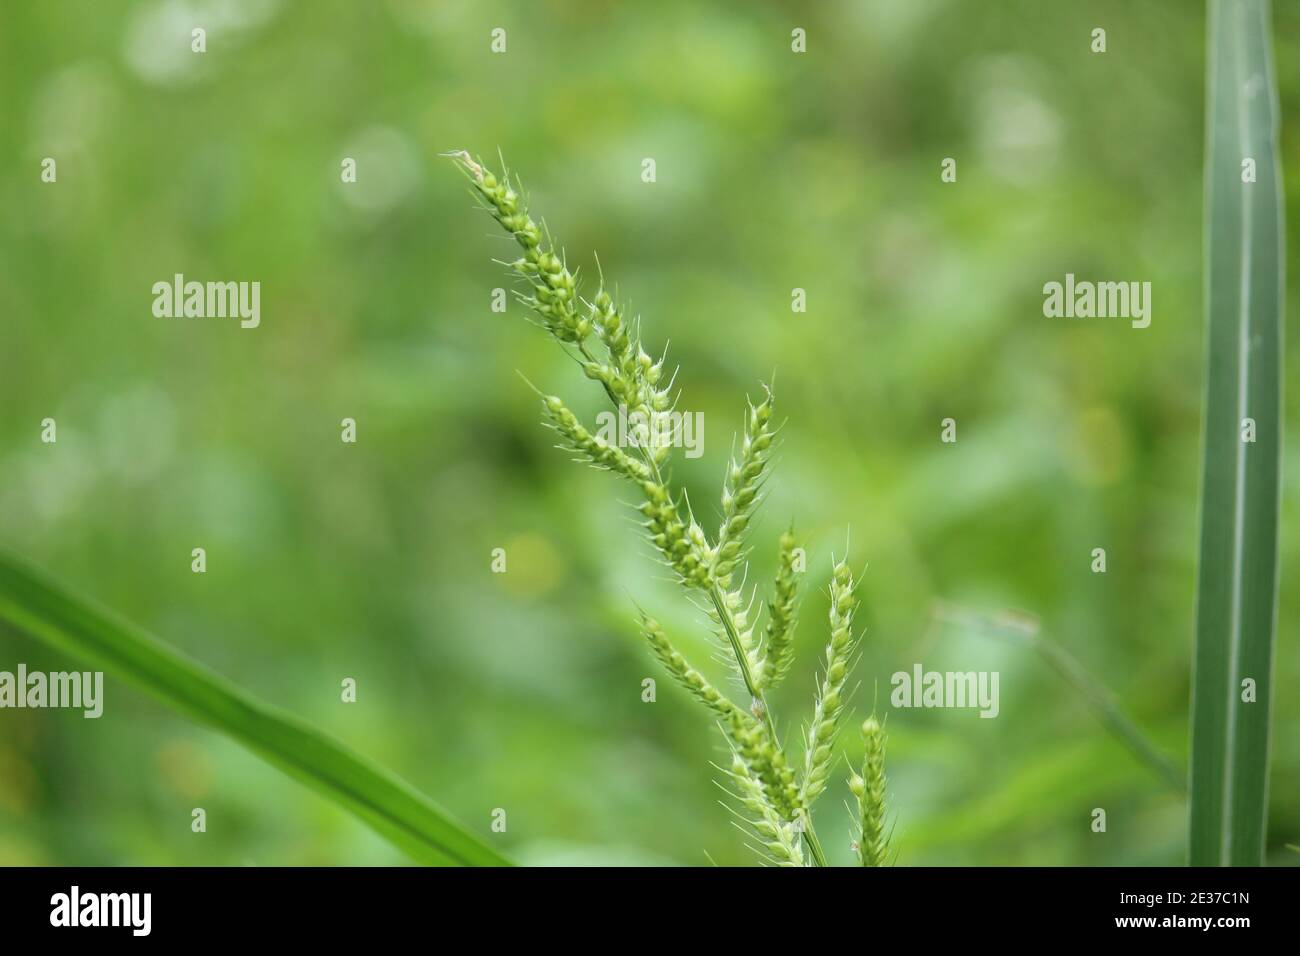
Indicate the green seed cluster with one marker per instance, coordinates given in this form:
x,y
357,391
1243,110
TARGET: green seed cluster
x,y
687,676
741,488
821,732
739,496
778,643
780,837
768,763
737,622
868,789
748,736
553,289
679,544
630,374
592,447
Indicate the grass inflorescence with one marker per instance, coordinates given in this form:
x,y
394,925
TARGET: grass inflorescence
x,y
774,796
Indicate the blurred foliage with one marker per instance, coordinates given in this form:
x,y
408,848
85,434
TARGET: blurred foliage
x,y
775,171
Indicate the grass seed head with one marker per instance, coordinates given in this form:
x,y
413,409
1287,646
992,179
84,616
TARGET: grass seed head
x,y
868,789
826,711
775,798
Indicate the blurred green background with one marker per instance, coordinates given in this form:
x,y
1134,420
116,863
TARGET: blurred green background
x,y
775,170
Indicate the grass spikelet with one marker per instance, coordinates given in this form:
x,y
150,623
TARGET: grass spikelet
x,y
780,838
747,736
868,790
552,287
686,675
630,373
768,762
592,447
740,490
778,643
680,545
730,615
826,713
739,496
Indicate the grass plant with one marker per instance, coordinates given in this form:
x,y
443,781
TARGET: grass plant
x,y
775,795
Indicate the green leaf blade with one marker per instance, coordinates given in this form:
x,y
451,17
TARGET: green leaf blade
x,y
1241,481
35,605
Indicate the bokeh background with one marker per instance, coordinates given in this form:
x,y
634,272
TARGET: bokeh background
x,y
774,171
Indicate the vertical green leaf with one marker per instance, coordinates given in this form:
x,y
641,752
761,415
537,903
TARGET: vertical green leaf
x,y
1237,580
